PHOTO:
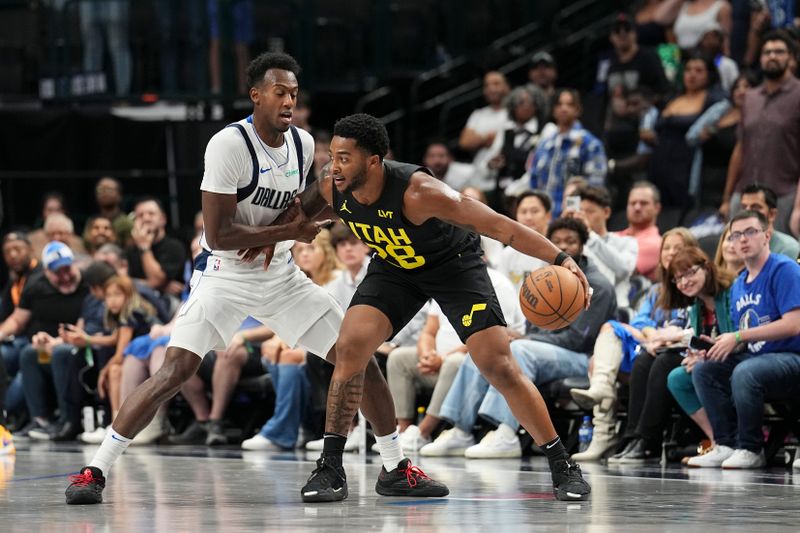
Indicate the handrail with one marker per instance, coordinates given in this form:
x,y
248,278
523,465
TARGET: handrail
x,y
373,96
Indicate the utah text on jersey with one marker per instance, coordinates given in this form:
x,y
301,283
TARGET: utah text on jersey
x,y
393,245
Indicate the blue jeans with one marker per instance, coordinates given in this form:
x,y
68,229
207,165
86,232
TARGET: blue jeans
x,y
292,395
37,382
471,395
734,390
107,23
11,354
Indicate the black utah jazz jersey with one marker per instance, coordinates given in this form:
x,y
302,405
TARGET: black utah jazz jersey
x,y
397,241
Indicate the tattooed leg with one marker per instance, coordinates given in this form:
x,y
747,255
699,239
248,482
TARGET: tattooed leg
x,y
344,397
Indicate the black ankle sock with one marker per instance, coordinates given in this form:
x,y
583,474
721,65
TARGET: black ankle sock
x,y
333,444
554,450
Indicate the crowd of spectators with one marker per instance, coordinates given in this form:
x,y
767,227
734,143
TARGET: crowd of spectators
x,y
695,320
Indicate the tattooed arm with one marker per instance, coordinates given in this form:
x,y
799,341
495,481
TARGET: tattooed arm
x,y
427,198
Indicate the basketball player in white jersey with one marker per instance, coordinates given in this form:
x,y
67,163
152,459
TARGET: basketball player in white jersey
x,y
254,169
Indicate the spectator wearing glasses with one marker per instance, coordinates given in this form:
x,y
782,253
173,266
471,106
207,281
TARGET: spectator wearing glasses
x,y
761,199
760,360
697,283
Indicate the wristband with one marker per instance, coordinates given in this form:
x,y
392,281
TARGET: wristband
x,y
560,258
738,337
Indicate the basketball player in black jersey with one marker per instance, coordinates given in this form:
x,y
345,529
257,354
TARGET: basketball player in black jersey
x,y
426,245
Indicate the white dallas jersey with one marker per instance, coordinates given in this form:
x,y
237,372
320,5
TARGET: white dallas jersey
x,y
264,179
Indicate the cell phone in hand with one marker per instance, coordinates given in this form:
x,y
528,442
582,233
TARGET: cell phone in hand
x,y
697,343
573,203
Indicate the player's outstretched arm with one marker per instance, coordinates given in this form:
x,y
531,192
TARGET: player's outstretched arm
x,y
427,198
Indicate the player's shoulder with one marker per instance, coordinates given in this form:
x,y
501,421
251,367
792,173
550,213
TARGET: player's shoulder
x,y
305,137
228,138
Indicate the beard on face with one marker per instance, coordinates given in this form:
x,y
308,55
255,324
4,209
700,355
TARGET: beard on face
x,y
775,70
356,182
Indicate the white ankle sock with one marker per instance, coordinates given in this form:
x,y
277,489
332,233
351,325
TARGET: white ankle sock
x,y
113,446
391,452
506,432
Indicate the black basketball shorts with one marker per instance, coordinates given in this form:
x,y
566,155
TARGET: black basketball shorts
x,y
461,287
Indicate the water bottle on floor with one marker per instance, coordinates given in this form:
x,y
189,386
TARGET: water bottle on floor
x,y
585,434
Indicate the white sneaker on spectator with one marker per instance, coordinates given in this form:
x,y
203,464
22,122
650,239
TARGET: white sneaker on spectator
x,y
796,463
451,442
350,446
260,442
745,459
494,446
712,459
93,437
411,440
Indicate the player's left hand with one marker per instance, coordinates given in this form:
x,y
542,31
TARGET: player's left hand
x,y
573,267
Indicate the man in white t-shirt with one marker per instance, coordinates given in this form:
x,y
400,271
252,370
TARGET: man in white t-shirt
x,y
532,210
254,171
484,124
614,255
439,160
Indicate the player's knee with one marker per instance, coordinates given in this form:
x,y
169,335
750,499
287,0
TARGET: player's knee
x,y
501,373
178,367
606,328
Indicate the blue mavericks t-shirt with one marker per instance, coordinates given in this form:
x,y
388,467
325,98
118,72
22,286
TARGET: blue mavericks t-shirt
x,y
774,292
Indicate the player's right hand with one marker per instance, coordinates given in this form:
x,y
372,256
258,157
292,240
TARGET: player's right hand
x,y
573,267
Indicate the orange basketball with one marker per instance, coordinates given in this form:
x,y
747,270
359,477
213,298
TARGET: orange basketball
x,y
551,297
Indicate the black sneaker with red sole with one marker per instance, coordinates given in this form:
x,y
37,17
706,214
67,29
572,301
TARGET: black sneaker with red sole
x,y
409,480
86,487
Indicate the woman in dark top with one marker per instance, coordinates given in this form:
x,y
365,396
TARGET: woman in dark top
x,y
671,162
715,131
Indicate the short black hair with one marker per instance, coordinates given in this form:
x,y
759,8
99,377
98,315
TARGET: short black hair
x,y
143,199
572,224
780,35
369,133
741,215
543,197
769,195
97,273
269,60
596,195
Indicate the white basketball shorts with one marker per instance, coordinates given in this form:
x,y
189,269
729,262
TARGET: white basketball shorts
x,y
282,298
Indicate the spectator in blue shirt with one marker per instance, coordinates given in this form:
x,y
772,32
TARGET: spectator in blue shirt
x,y
759,361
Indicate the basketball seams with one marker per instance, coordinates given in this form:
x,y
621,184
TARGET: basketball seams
x,y
544,299
558,319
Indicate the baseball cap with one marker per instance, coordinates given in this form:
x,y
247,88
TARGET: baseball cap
x,y
16,236
56,255
623,21
542,57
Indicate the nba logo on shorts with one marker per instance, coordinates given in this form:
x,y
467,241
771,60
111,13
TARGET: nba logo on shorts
x,y
217,264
